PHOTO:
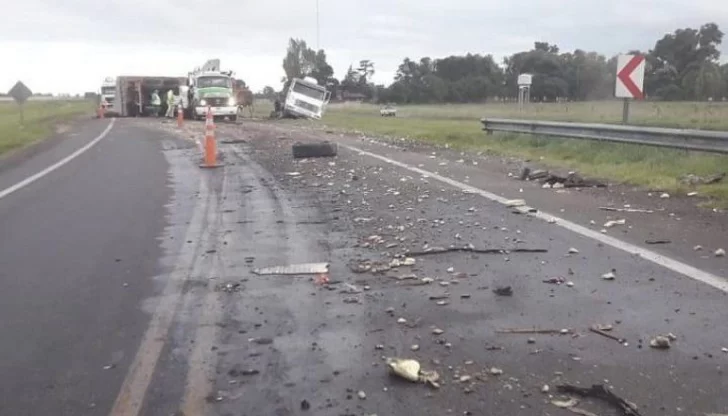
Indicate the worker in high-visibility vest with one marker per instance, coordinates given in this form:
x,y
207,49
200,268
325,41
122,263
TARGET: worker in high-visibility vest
x,y
171,99
156,102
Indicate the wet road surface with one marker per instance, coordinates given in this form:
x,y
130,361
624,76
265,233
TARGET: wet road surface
x,y
133,259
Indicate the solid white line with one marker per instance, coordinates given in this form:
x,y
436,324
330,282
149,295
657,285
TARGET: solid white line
x,y
27,181
674,265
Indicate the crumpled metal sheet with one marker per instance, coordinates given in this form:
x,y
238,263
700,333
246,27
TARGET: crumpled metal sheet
x,y
303,268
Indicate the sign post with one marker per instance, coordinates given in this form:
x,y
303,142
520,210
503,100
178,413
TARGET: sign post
x,y
20,94
630,81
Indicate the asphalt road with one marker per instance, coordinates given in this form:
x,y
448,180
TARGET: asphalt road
x,y
128,284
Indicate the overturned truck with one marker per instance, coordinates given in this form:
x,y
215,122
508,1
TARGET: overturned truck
x,y
133,96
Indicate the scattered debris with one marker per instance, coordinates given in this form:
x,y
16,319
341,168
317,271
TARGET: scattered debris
x,y
503,291
572,250
658,241
401,321
495,371
609,275
438,331
602,330
555,280
643,211
660,342
411,370
664,195
465,378
305,405
361,395
719,253
725,350
692,193
600,392
229,287
293,173
565,404
262,341
303,268
691,179
610,224
545,389
698,248
531,340
532,331
415,347
470,249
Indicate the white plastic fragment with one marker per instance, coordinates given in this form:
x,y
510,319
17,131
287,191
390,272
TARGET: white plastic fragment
x,y
303,268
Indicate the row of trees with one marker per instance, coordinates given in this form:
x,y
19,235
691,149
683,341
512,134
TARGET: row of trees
x,y
683,65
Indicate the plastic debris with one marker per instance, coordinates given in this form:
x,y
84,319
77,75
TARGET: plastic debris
x,y
503,291
411,370
409,261
725,350
361,395
401,321
609,276
515,203
495,371
415,347
664,195
465,378
303,268
698,248
610,224
545,389
719,253
660,342
573,250
438,331
571,402
643,211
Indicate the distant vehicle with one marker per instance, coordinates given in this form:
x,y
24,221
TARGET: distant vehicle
x,y
210,87
305,98
107,94
388,111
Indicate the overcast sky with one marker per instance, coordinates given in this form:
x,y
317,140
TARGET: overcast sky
x,y
71,45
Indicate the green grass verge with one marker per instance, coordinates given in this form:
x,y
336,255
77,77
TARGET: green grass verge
x,y
458,126
40,119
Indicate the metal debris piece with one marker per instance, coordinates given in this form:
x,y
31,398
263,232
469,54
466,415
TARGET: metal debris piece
x,y
229,287
600,392
529,331
439,297
471,249
503,291
643,211
442,302
293,173
352,299
303,268
555,280
658,241
660,342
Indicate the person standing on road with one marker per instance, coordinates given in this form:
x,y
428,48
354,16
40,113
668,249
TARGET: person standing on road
x,y
170,103
156,103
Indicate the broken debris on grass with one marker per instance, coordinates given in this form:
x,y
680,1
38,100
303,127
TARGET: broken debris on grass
x,y
691,179
598,391
293,269
643,211
471,249
411,370
571,180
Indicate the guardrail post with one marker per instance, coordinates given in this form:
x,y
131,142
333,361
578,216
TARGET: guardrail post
x,y
625,111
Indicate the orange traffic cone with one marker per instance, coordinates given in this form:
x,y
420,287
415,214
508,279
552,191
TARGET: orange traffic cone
x,y
180,116
210,143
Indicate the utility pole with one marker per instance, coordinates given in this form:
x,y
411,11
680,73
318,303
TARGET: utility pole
x,y
318,27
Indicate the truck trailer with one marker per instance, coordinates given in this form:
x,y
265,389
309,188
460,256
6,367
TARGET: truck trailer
x,y
134,94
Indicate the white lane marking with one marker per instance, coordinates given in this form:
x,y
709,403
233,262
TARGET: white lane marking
x,y
674,265
134,388
30,179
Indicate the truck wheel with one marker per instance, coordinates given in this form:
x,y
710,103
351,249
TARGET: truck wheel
x,y
234,118
320,149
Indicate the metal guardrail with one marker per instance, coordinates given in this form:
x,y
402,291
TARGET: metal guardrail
x,y
702,140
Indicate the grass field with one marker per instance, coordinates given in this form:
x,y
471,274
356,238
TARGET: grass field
x,y
653,168
40,119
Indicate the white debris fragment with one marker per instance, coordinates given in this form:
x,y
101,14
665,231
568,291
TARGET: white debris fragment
x,y
545,389
409,261
609,276
698,248
401,321
664,195
558,185
293,173
415,347
495,371
450,269
570,283
719,253
546,186
692,193
515,203
427,280
552,221
304,268
465,378
573,250
361,395
660,342
610,224
725,350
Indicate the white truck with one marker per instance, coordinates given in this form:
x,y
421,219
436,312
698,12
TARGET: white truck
x,y
305,98
208,86
107,95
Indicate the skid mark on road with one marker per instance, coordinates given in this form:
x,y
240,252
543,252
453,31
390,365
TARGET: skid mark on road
x,y
131,396
717,282
30,179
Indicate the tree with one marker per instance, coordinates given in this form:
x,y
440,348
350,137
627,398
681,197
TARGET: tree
x,y
301,61
269,92
366,70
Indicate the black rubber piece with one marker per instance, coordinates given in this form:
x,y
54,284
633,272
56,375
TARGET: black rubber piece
x,y
320,149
